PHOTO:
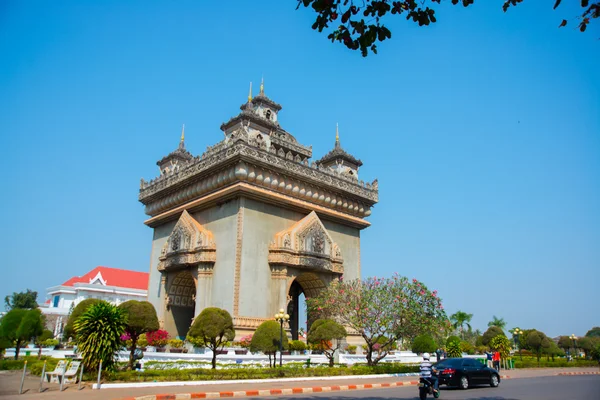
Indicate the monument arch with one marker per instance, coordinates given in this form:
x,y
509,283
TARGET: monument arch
x,y
253,220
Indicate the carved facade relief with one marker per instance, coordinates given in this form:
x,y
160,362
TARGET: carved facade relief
x,y
189,244
306,245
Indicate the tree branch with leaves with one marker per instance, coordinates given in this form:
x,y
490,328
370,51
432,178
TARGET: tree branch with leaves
x,y
359,25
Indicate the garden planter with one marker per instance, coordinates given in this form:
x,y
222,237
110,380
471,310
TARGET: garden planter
x,y
160,349
239,352
221,352
176,351
286,353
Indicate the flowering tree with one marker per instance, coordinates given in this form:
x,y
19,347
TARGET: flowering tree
x,y
376,308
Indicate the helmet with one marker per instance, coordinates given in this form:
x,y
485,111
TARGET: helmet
x,y
425,356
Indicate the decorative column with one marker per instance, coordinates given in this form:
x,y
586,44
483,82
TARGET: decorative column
x,y
204,287
278,288
164,296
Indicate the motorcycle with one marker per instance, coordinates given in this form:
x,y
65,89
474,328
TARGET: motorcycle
x,y
425,388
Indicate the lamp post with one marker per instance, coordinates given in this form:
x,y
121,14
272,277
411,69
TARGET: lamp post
x,y
281,318
574,339
517,334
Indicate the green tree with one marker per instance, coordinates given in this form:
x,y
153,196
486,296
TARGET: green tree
x,y
459,319
141,318
471,335
423,344
586,344
538,342
393,308
40,340
4,344
214,327
467,347
565,343
360,25
98,334
553,351
491,333
594,332
267,338
328,334
453,347
499,322
76,312
595,353
25,300
501,344
20,325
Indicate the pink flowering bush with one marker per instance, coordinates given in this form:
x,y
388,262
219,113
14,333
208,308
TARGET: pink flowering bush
x,y
244,342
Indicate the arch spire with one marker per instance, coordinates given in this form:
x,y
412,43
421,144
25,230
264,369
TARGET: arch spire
x,y
250,93
337,135
182,140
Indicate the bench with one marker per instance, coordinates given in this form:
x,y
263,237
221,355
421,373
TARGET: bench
x,y
53,376
70,376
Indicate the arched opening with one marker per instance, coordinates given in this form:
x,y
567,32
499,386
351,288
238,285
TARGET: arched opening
x,y
305,285
182,302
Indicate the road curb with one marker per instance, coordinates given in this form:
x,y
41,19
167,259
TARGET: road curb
x,y
579,373
272,392
276,392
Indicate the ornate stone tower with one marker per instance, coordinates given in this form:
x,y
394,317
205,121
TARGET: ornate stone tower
x,y
252,223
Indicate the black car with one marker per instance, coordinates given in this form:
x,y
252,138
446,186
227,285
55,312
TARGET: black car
x,y
465,372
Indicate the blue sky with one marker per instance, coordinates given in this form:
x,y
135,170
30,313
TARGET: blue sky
x,y
483,130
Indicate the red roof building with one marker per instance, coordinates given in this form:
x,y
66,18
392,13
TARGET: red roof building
x,y
111,284
122,278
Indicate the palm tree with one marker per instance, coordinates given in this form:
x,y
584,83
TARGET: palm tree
x,y
499,322
459,319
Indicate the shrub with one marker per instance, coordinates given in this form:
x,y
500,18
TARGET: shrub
x,y
453,347
141,318
324,332
266,338
215,327
491,333
75,314
423,344
467,347
19,325
158,338
297,345
142,340
99,332
351,349
245,341
176,343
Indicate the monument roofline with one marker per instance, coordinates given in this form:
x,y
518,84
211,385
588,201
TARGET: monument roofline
x,y
258,151
237,161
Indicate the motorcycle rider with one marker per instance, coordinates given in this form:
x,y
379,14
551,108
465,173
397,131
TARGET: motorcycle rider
x,y
427,372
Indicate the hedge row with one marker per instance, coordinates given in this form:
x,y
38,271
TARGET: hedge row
x,y
202,374
34,366
531,362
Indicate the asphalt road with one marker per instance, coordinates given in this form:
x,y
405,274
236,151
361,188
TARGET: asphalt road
x,y
544,388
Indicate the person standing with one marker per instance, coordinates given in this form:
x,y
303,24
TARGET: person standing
x,y
496,360
488,356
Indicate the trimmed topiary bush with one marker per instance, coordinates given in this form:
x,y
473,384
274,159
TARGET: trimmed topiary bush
x,y
214,328
267,338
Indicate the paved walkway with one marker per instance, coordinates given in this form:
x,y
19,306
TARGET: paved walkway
x,y
10,381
